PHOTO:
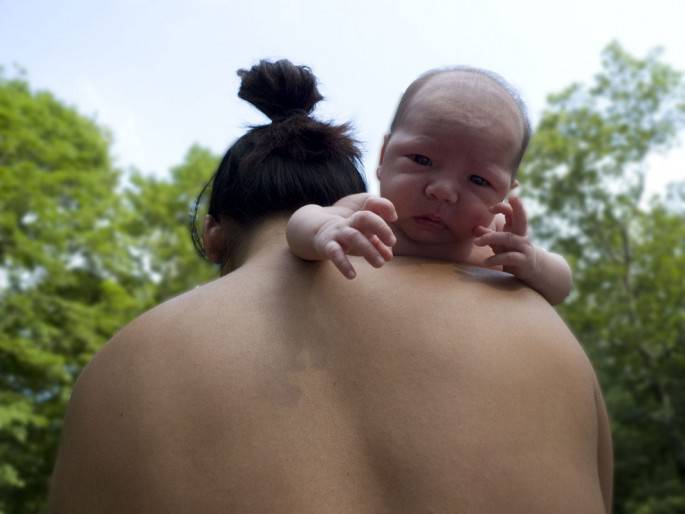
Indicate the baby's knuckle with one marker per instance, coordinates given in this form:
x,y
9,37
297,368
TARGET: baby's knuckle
x,y
348,233
356,217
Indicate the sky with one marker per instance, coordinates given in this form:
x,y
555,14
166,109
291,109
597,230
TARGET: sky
x,y
160,75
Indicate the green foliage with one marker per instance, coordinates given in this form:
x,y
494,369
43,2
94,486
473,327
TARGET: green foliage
x,y
62,269
79,257
585,175
159,222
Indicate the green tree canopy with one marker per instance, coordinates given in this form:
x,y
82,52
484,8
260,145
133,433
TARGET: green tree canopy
x,y
80,255
159,225
63,270
585,175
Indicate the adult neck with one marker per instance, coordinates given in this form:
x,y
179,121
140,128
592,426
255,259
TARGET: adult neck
x,y
263,238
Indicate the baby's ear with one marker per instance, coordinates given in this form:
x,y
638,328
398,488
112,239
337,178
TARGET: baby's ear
x,y
385,143
213,240
382,155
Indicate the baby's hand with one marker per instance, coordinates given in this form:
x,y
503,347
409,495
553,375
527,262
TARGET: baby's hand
x,y
365,233
513,249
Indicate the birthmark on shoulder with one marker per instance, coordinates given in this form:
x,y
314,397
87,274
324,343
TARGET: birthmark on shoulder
x,y
491,277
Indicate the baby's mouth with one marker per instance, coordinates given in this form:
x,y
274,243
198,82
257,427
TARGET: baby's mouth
x,y
430,221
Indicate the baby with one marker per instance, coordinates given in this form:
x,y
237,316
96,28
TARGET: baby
x,y
445,170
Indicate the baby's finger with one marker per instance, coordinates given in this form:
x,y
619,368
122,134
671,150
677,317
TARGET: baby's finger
x,y
508,259
519,219
480,230
383,249
356,243
336,254
503,208
381,206
371,223
506,240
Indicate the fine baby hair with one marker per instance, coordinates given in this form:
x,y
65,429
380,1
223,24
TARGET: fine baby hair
x,y
293,161
494,77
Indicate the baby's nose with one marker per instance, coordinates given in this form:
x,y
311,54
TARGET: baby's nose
x,y
443,191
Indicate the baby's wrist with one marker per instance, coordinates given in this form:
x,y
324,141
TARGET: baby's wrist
x,y
534,275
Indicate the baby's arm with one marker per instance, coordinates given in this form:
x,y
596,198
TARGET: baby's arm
x,y
554,279
354,225
546,272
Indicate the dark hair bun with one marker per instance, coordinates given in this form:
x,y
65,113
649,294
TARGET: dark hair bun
x,y
279,89
276,168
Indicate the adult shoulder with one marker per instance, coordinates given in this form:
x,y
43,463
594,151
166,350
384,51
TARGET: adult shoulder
x,y
113,417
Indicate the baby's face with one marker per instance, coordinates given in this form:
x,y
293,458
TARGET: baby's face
x,y
451,158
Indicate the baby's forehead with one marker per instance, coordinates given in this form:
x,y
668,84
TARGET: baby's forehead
x,y
461,91
462,98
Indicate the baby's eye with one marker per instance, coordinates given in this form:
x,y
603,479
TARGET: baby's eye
x,y
479,181
421,160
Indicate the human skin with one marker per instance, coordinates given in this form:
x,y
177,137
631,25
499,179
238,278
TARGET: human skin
x,y
449,161
444,173
282,387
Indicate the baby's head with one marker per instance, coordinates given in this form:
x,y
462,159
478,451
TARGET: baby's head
x,y
453,150
476,76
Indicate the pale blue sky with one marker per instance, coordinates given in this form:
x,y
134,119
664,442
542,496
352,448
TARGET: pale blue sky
x,y
161,74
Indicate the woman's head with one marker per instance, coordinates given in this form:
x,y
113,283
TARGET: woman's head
x,y
292,161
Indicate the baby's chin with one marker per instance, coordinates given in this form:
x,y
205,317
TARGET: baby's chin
x,y
418,243
425,231
453,251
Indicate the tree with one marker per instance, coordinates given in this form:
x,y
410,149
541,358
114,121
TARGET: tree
x,y
584,175
159,226
80,256
64,276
